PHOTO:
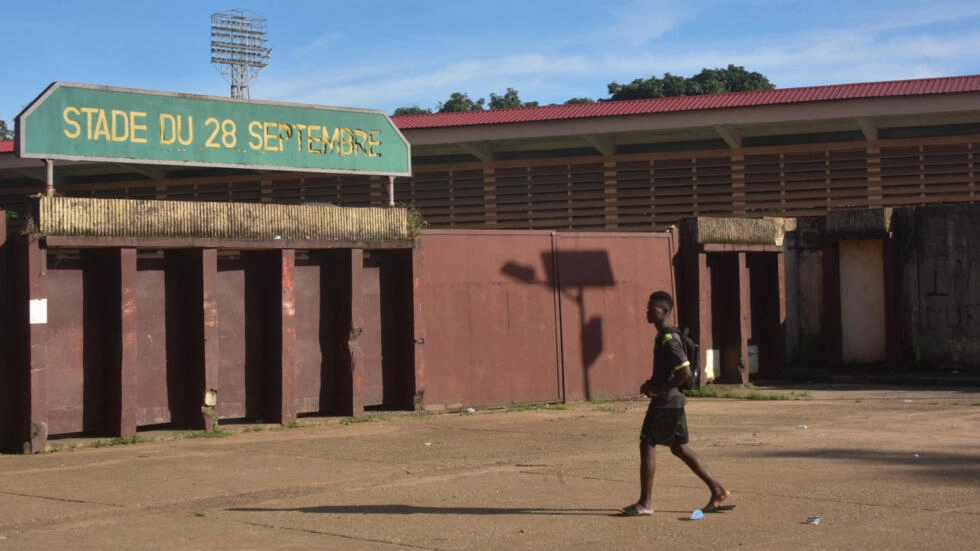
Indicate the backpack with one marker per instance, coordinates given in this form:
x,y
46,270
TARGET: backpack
x,y
693,352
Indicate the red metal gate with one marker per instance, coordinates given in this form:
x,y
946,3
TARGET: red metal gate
x,y
535,316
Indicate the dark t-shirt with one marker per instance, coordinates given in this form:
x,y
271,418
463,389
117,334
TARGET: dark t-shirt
x,y
668,357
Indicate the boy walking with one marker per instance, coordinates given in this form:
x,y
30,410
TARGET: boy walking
x,y
665,423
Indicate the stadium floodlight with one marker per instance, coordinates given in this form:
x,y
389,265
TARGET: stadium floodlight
x,y
238,47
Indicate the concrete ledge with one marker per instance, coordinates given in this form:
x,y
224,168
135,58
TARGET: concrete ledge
x,y
859,222
738,231
88,217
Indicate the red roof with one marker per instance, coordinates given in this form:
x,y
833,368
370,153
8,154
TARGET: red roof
x,y
896,88
782,96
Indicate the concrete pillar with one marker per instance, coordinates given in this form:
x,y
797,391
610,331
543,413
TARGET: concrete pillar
x,y
418,331
831,297
356,324
205,359
744,318
35,434
893,327
123,266
694,301
287,356
779,339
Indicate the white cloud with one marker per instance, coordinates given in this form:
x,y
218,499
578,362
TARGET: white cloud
x,y
855,50
386,85
641,22
319,44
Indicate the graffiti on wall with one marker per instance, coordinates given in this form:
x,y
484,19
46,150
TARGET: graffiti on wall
x,y
948,298
945,318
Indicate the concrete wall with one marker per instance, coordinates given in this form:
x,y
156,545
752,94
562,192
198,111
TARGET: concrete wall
x,y
935,310
805,344
939,263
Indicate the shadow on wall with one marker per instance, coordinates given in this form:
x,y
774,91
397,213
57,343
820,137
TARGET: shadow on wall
x,y
571,273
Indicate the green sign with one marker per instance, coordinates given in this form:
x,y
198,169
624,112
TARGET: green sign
x,y
96,123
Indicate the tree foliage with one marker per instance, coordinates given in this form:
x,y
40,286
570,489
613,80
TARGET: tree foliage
x,y
6,133
509,100
734,78
413,110
460,101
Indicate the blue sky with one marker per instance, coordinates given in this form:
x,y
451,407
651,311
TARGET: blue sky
x,y
387,53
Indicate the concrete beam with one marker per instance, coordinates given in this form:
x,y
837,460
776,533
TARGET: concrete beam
x,y
481,151
148,171
30,173
869,128
731,136
603,144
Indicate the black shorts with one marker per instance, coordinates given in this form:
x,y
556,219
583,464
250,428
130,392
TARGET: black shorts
x,y
664,426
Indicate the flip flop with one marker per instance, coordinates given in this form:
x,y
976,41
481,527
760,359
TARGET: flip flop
x,y
715,506
632,511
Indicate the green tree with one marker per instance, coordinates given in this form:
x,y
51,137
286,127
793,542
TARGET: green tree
x,y
509,100
575,101
734,78
674,85
413,110
5,132
638,89
460,101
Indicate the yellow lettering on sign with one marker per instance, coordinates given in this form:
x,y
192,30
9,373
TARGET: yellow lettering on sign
x,y
360,140
299,136
253,130
270,130
101,126
77,127
135,126
228,130
171,129
347,141
314,139
285,132
115,125
210,142
329,143
274,137
89,111
372,143
120,131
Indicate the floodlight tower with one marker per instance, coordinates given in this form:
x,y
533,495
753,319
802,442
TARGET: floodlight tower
x,y
238,47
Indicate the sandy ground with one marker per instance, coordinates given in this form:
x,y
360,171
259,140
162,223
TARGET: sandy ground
x,y
884,468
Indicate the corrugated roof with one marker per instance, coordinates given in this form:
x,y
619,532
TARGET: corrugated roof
x,y
897,88
782,96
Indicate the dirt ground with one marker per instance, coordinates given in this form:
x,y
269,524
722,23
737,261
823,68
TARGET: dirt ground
x,y
884,468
